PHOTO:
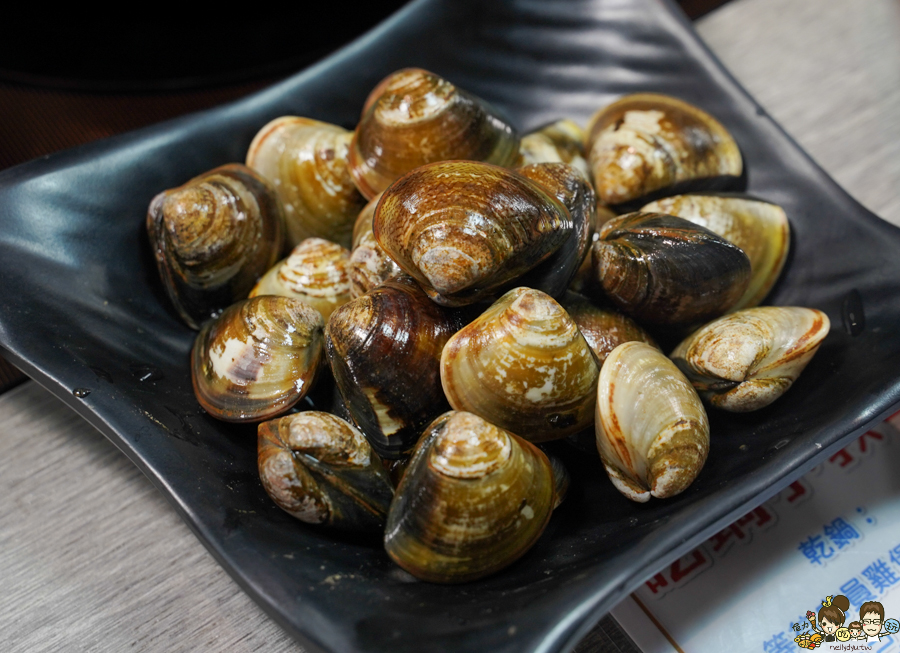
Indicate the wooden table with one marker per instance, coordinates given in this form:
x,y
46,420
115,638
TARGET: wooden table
x,y
93,558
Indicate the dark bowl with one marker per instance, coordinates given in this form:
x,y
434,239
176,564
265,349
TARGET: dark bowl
x,y
81,308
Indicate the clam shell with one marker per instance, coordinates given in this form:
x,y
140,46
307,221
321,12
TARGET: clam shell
x,y
307,163
315,272
319,469
660,269
747,359
474,499
524,366
370,265
647,142
213,237
420,118
466,230
558,142
385,349
759,228
652,430
603,329
575,192
258,359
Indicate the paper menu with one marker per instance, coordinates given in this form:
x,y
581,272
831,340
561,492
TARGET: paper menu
x,y
836,531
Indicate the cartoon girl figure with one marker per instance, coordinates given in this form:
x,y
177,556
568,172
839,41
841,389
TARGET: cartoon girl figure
x,y
871,614
831,616
856,630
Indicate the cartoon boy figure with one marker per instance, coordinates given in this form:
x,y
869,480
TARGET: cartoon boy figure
x,y
871,614
856,631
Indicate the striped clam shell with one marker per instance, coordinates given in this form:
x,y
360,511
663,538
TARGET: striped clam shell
x,y
258,359
316,272
307,163
473,500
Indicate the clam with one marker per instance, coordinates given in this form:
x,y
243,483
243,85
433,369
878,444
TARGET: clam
x,y
384,348
652,430
315,272
575,192
558,142
258,359
474,499
319,469
419,118
660,269
747,359
370,265
603,329
648,143
524,366
466,230
759,228
213,237
307,163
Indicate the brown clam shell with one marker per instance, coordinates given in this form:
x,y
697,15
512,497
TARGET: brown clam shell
x,y
213,237
385,349
603,329
258,359
474,499
320,469
420,118
660,269
524,366
647,142
307,163
759,228
466,230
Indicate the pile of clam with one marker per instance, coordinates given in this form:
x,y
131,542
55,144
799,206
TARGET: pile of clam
x,y
452,327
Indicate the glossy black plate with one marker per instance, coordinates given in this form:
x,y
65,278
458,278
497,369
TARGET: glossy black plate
x,y
81,308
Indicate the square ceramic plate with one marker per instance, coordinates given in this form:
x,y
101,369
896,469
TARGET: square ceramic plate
x,y
81,307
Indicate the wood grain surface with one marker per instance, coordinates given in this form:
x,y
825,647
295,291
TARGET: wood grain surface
x,y
92,558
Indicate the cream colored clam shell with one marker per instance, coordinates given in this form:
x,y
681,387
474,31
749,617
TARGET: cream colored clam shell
x,y
759,228
746,360
652,431
524,366
307,162
316,272
559,142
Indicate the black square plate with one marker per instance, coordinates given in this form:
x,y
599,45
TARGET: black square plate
x,y
81,307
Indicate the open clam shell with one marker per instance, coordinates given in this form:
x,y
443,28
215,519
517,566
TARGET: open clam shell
x,y
524,366
759,228
652,431
648,142
660,269
258,359
467,230
307,162
320,469
419,118
385,348
213,237
746,360
315,272
474,499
